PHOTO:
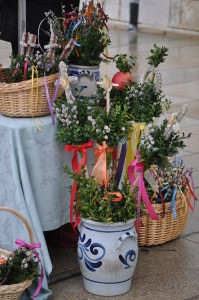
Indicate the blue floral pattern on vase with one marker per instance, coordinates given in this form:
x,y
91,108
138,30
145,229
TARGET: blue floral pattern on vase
x,y
86,249
129,258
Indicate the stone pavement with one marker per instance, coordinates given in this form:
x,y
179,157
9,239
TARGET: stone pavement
x,y
169,271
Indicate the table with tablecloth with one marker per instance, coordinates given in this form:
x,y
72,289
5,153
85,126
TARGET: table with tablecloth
x,y
32,181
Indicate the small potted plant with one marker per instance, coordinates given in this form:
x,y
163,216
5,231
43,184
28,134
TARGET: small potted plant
x,y
107,246
88,28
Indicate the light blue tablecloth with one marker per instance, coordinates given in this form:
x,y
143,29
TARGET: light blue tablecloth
x,y
33,182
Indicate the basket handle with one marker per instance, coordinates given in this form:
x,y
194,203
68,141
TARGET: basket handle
x,y
28,227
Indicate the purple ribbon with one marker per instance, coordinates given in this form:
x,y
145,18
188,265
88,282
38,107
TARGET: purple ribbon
x,y
120,164
33,247
50,102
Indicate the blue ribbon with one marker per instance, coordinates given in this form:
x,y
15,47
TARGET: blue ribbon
x,y
172,206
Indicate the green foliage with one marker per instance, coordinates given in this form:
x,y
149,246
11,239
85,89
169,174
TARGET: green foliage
x,y
90,35
92,44
90,202
21,265
75,132
157,55
141,101
124,63
111,127
156,148
16,71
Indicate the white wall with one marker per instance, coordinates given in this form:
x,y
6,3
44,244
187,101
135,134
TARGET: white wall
x,y
169,15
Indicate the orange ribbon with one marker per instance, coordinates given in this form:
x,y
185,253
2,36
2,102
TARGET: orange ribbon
x,y
89,12
100,167
118,197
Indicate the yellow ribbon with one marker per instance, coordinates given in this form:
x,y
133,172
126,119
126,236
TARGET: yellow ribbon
x,y
184,198
134,137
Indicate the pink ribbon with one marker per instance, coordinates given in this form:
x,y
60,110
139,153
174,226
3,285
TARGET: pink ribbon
x,y
138,167
33,247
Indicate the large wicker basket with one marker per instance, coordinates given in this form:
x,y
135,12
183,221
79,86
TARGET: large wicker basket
x,y
14,291
166,228
20,99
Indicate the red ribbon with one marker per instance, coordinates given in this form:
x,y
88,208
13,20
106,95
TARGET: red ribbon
x,y
33,247
138,167
76,167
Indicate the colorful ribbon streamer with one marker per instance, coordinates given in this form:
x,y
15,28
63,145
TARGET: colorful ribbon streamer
x,y
135,134
77,168
173,201
32,247
118,196
138,167
120,164
99,171
51,101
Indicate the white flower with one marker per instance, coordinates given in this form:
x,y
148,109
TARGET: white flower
x,y
97,130
25,265
123,129
77,122
106,137
93,123
24,261
90,118
74,117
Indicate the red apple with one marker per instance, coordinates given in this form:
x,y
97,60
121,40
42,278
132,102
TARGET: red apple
x,y
122,78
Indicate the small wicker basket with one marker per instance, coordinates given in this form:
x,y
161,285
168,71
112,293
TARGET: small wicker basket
x,y
14,291
20,100
166,228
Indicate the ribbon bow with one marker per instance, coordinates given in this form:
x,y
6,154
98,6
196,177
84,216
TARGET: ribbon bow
x,y
32,247
82,148
100,167
138,167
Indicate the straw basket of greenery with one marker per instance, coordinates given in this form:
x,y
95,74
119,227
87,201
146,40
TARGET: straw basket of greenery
x,y
19,268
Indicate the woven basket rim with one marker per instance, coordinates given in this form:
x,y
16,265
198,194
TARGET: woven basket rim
x,y
16,287
26,84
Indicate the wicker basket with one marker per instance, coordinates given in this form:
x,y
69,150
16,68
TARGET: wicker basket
x,y
18,100
14,291
166,228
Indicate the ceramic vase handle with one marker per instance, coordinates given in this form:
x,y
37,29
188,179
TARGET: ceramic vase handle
x,y
124,237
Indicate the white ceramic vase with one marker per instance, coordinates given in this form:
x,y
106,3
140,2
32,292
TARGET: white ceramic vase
x,y
107,255
87,78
